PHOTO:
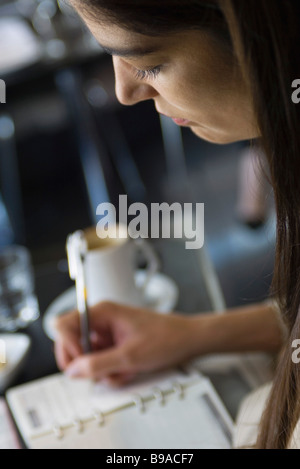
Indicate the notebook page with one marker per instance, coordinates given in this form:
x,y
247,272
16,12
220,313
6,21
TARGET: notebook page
x,y
57,401
180,423
186,424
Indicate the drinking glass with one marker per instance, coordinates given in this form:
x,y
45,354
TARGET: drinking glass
x,y
18,302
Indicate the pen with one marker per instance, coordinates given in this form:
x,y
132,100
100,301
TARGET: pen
x,y
76,250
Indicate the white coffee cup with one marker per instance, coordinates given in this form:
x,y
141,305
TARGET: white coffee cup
x,y
111,264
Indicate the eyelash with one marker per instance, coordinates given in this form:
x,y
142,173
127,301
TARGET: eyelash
x,y
148,74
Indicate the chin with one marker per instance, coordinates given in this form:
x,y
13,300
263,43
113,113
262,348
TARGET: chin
x,y
216,139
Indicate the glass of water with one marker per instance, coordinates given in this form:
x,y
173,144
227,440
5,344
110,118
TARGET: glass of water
x,y
18,302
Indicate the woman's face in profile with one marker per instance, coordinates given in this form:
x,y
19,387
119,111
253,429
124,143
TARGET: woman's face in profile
x,y
188,75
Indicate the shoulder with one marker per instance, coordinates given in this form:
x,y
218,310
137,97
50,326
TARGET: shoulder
x,y
249,416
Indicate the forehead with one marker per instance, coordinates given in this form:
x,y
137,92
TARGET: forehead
x,y
121,41
118,40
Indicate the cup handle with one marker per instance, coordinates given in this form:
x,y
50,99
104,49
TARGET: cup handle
x,y
151,259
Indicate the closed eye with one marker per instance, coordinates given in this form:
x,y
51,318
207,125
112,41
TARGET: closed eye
x,y
151,73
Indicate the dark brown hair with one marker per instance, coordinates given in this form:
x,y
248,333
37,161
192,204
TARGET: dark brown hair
x,y
264,37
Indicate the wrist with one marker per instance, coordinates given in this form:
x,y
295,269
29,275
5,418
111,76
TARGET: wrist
x,y
249,328
199,334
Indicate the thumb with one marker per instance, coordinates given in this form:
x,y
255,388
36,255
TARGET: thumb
x,y
99,365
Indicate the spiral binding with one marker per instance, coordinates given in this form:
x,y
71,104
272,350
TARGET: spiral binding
x,y
58,432
78,424
138,401
99,417
178,388
159,395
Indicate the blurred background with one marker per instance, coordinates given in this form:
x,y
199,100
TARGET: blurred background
x,y
66,145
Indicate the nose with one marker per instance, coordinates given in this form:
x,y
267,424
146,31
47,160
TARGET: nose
x,y
129,89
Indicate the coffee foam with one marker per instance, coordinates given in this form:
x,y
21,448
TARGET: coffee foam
x,y
95,242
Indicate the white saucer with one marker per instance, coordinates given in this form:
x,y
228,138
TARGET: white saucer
x,y
161,295
13,351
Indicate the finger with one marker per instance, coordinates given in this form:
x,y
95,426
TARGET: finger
x,y
67,322
98,365
63,358
101,340
66,348
65,355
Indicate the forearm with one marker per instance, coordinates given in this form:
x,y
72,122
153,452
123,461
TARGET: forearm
x,y
250,328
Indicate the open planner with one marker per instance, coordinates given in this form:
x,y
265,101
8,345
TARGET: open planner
x,y
173,409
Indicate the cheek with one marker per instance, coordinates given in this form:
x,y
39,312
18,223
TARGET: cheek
x,y
211,99
181,95
196,91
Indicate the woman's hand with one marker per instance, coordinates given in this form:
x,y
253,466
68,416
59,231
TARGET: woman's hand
x,y
125,341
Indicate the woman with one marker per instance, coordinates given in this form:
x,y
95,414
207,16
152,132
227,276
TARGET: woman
x,y
225,69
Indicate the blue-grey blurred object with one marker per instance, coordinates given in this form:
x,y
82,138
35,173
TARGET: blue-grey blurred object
x,y
41,32
90,149
18,303
19,47
9,179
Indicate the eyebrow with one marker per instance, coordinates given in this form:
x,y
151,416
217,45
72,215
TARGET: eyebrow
x,y
134,52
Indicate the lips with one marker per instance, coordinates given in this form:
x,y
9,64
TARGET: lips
x,y
179,121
